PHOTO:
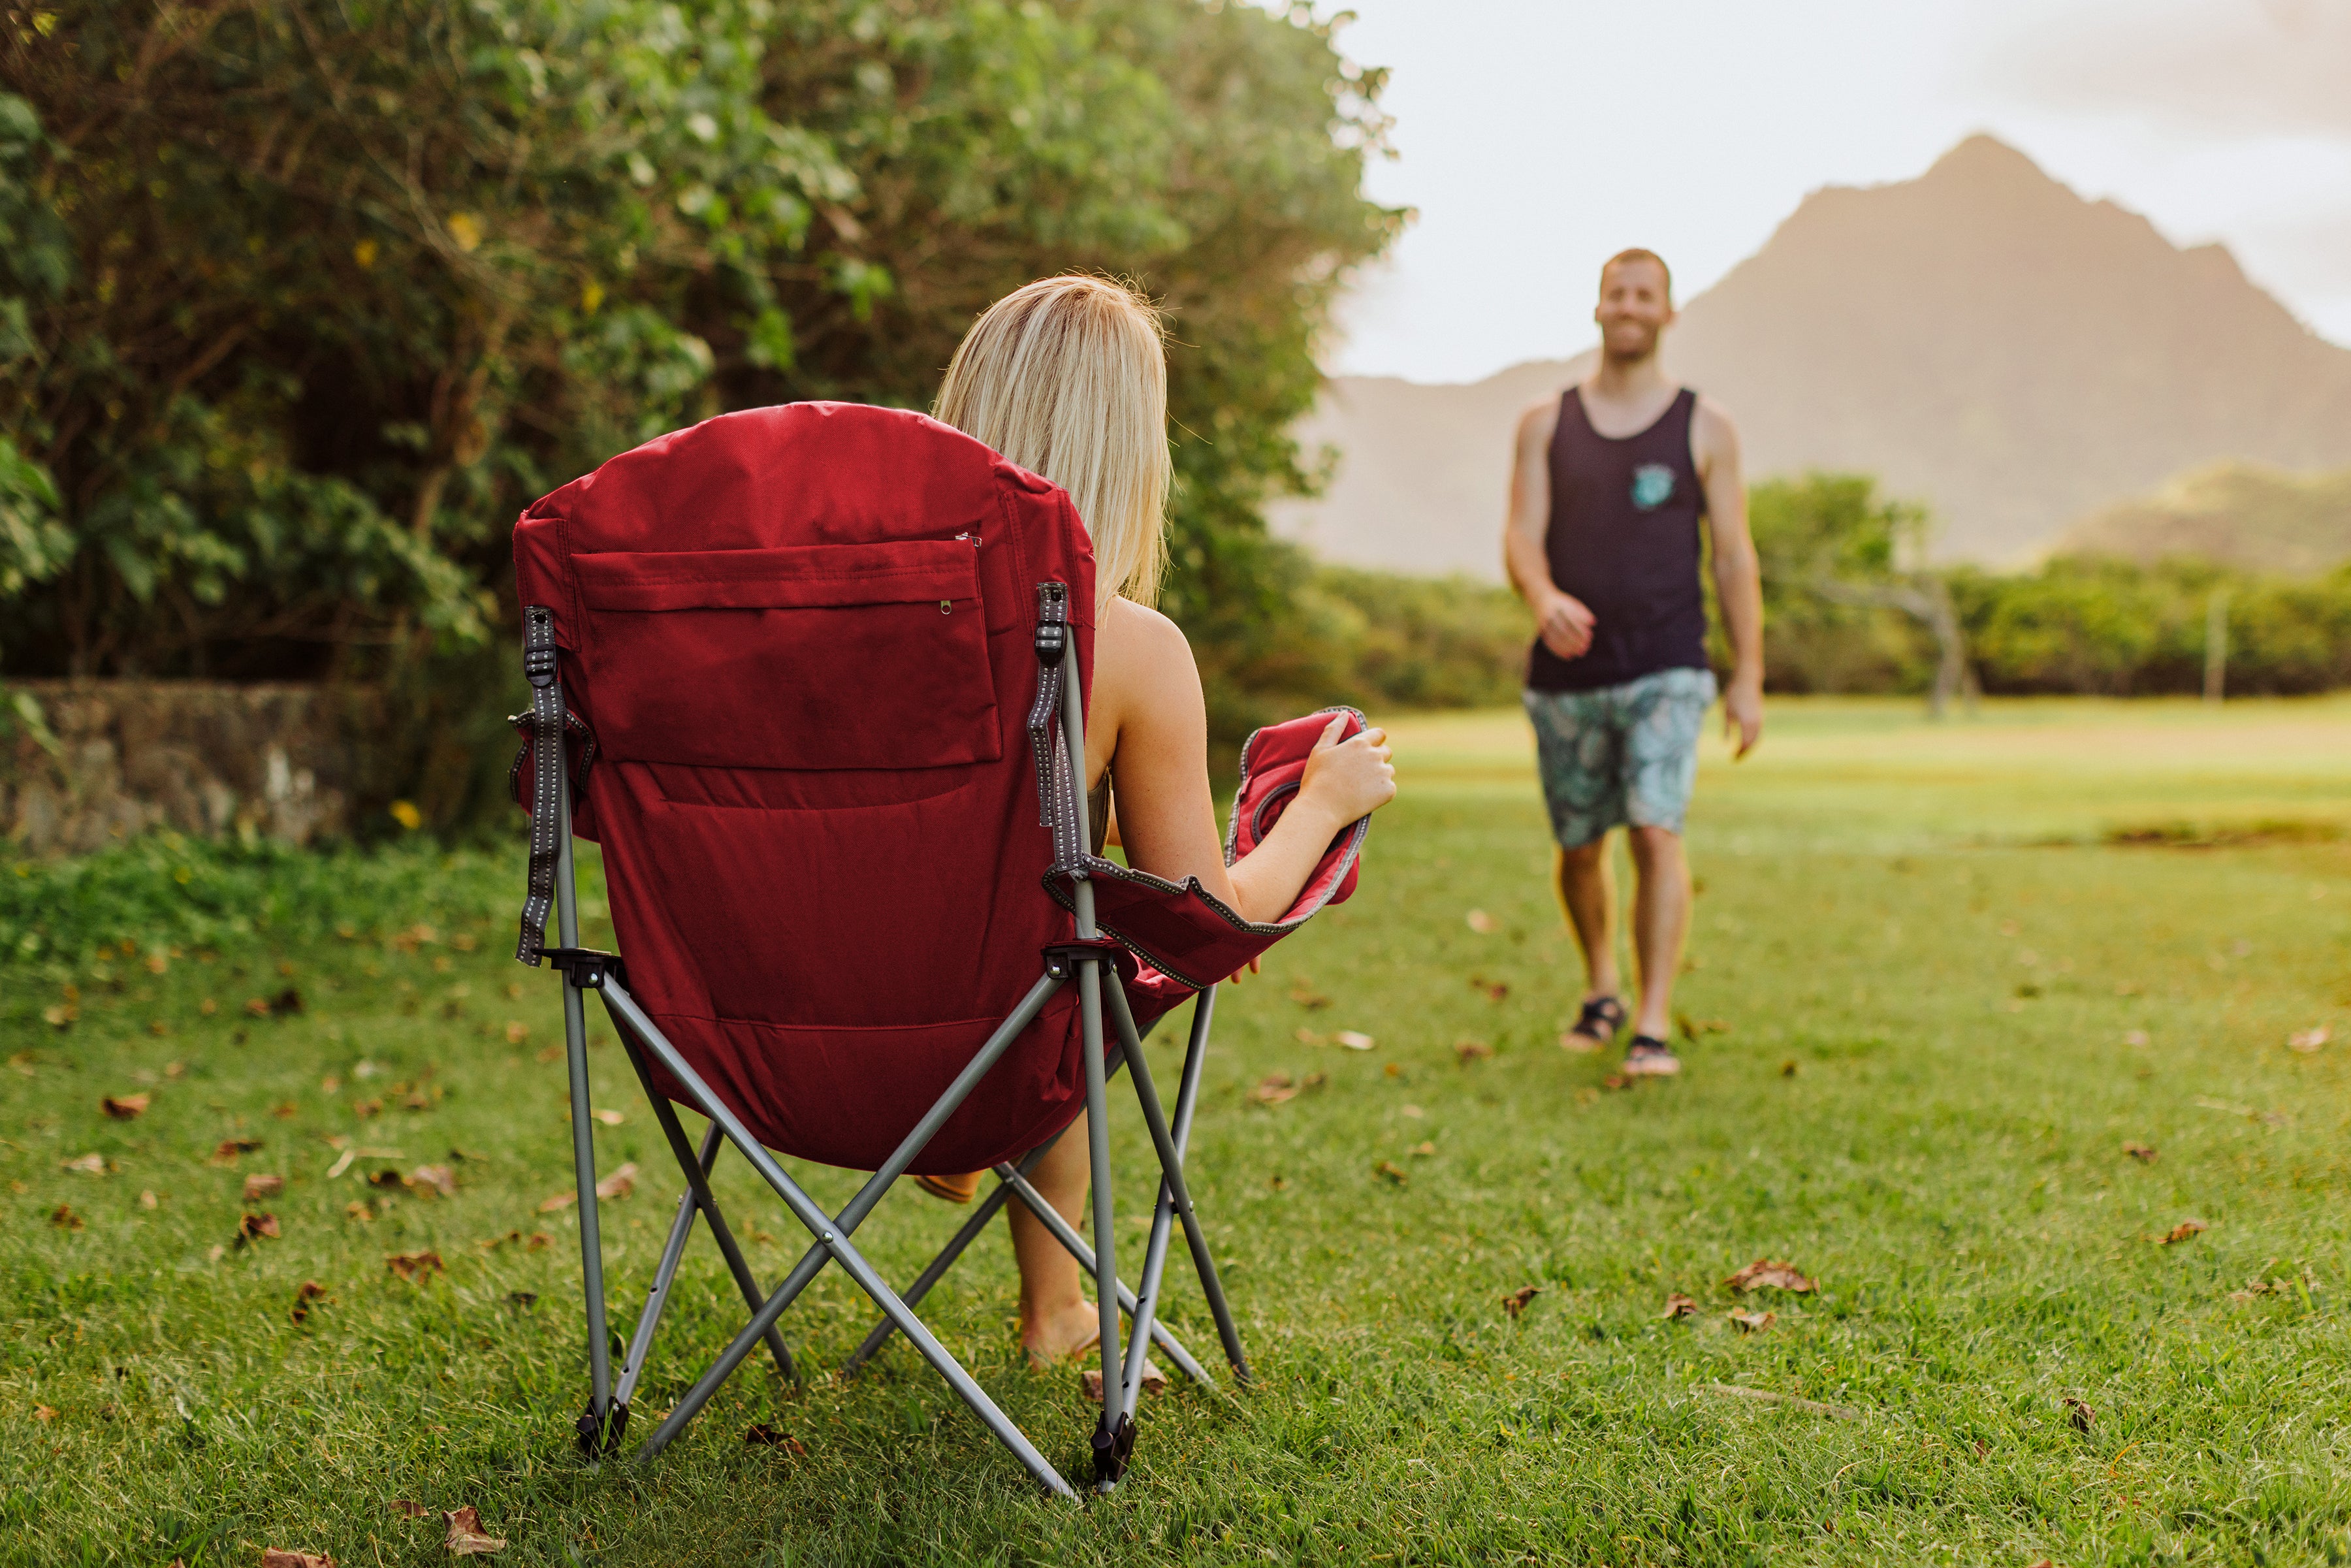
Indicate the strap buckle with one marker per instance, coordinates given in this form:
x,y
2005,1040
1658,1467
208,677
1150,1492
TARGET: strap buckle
x,y
1052,623
584,968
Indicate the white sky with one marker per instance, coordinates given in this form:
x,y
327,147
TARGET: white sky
x,y
1537,137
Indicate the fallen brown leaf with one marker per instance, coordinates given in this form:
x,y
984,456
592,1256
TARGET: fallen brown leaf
x,y
285,1003
361,1210
1305,1036
523,1300
126,1107
551,1052
258,1186
1423,1150
1153,1380
2309,1040
1483,924
434,1178
1788,1068
619,1184
407,1509
1495,990
60,1016
1468,1050
560,1201
92,1164
610,1118
2079,1415
2183,1230
1274,1089
64,1217
1694,1029
1770,1273
257,1006
286,1112
518,1032
1392,1172
2142,1153
1306,996
414,1265
391,1178
538,1240
149,1200
465,1538
1679,1306
1753,1322
254,1226
1354,1039
311,1290
1616,1081
45,1412
230,1149
1516,1302
758,1434
278,1557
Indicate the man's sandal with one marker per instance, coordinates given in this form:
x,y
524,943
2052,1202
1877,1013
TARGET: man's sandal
x,y
1595,1026
1649,1057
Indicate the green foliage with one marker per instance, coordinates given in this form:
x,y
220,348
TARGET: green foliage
x,y
163,890
318,295
1818,533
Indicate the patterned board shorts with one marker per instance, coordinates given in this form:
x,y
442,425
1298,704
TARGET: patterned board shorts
x,y
1620,754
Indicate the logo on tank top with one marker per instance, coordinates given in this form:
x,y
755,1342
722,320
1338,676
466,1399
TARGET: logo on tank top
x,y
1653,486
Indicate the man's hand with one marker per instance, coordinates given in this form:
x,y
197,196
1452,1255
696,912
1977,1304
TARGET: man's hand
x,y
1743,714
1566,625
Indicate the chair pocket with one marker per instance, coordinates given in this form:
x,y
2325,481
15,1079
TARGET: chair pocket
x,y
816,656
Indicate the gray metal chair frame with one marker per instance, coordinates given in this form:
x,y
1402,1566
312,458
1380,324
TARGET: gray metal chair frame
x,y
602,1426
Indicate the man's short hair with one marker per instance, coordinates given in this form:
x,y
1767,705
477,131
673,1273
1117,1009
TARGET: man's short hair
x,y
1637,254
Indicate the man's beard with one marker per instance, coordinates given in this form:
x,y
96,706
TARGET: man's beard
x,y
1630,348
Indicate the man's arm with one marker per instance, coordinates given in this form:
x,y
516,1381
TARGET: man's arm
x,y
1562,621
1738,584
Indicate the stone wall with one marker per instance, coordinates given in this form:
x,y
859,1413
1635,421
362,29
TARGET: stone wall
x,y
94,761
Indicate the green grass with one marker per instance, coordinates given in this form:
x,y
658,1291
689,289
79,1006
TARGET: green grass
x,y
1918,966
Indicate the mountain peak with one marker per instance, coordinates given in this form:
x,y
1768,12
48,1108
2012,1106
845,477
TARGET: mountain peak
x,y
1983,157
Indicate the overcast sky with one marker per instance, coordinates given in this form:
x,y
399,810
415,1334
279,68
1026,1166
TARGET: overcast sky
x,y
1537,137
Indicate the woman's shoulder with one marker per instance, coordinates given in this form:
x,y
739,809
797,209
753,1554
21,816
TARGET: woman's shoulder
x,y
1137,650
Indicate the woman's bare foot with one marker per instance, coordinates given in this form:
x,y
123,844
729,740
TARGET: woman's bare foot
x,y
1055,1336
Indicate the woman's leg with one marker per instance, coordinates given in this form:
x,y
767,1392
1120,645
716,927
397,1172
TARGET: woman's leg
x,y
1055,1317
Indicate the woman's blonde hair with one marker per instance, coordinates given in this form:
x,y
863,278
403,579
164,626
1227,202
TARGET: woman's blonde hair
x,y
1068,378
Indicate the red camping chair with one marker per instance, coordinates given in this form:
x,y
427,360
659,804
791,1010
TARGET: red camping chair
x,y
827,662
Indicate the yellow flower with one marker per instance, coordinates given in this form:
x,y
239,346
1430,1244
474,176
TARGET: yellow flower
x,y
364,253
466,230
405,813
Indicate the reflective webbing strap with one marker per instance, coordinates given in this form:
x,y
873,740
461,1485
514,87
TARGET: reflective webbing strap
x,y
547,715
573,725
1057,804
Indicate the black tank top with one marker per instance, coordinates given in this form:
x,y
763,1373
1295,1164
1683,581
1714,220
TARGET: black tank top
x,y
1624,539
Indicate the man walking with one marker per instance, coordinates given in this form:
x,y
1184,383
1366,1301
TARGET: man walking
x,y
1608,489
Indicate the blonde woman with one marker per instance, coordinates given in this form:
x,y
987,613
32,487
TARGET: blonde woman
x,y
1068,378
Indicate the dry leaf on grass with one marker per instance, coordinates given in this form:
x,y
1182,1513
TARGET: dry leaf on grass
x,y
1391,1171
1305,1036
1153,1380
408,1510
2142,1153
610,1118
1616,1081
1581,1044
1466,1050
1354,1039
1694,1029
311,1290
1273,1089
1753,1322
1306,996
1516,1302
258,1186
434,1179
1770,1273
286,1112
278,1557
1423,1150
465,1538
64,1217
549,1054
230,1149
45,1412
1495,990
560,1201
414,1265
1788,1068
2079,1415
619,1184
2309,1040
361,1210
92,1164
1483,924
149,1200
760,1434
253,1228
1679,1306
126,1107
2183,1230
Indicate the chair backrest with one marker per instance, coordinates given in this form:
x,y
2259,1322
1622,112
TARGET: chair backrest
x,y
803,637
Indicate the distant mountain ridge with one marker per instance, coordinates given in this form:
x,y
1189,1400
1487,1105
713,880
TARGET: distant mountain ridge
x,y
1981,338
2234,513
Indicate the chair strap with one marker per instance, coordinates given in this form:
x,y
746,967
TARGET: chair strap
x,y
1057,804
547,719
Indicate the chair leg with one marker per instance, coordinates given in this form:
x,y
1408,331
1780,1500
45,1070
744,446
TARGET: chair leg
x,y
1163,1214
1113,1437
1171,1167
696,1170
832,1233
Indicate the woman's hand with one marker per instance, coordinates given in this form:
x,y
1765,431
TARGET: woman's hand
x,y
1348,779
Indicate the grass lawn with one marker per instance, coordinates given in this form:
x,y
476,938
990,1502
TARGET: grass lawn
x,y
1932,1001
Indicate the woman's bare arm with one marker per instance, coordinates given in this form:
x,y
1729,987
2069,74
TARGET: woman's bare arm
x,y
1147,714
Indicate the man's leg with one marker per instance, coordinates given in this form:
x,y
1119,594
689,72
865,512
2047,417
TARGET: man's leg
x,y
1661,912
1661,767
1587,891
